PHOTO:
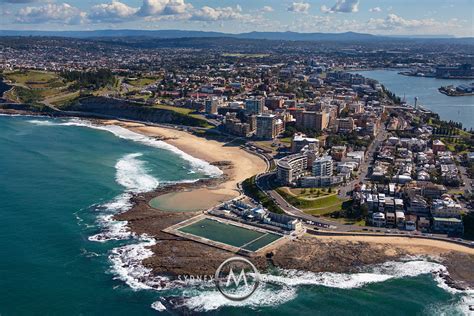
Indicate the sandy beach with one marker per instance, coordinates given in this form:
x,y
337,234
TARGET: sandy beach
x,y
414,246
242,165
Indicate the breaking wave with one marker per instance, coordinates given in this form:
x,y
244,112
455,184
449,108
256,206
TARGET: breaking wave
x,y
132,174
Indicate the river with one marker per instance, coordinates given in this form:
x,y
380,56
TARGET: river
x,y
459,109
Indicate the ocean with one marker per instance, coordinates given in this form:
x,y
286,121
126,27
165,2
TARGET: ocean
x,y
458,109
61,181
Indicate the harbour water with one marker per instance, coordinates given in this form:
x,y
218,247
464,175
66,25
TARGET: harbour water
x,y
61,180
458,109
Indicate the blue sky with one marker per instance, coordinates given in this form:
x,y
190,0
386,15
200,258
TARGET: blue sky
x,y
413,17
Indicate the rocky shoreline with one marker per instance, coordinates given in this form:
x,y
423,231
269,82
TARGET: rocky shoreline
x,y
178,256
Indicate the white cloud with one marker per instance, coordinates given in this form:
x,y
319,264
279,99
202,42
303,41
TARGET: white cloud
x,y
218,14
23,1
395,23
342,6
164,7
111,12
299,7
376,9
51,13
267,8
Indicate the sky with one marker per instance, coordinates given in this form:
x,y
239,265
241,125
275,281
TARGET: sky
x,y
387,17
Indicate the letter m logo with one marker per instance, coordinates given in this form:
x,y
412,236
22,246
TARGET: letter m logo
x,y
236,280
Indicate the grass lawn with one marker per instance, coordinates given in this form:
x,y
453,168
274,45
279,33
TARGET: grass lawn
x,y
184,111
314,206
180,110
286,140
141,82
35,86
62,99
307,193
32,78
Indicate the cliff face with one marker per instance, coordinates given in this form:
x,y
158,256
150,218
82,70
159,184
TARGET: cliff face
x,y
132,111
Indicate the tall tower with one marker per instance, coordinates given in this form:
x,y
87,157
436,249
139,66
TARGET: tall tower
x,y
416,103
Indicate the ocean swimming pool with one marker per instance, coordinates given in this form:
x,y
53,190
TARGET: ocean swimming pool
x,y
229,234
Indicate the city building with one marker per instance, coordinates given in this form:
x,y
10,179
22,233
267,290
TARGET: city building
x,y
451,226
290,168
312,120
274,103
267,126
255,105
299,141
338,152
323,167
446,207
345,125
234,126
438,146
283,221
211,105
378,219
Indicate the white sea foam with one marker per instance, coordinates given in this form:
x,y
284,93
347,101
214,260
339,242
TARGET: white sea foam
x,y
197,164
127,266
119,204
132,174
460,306
158,306
111,230
212,300
281,288
42,122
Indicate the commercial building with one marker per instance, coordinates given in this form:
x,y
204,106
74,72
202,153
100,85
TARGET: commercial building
x,y
290,168
274,103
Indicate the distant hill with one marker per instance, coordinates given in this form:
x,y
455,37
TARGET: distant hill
x,y
178,34
286,36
